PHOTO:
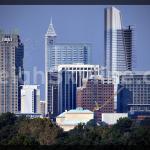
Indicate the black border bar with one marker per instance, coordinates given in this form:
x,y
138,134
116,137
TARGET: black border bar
x,y
74,2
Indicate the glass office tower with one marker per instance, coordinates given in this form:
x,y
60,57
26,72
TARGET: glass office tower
x,y
62,53
118,43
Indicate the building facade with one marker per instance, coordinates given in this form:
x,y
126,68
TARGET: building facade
x,y
96,94
62,53
42,108
118,43
52,94
112,118
64,83
134,96
69,119
30,99
11,72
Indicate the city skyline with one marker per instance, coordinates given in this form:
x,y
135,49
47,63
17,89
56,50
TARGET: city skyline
x,y
74,74
87,27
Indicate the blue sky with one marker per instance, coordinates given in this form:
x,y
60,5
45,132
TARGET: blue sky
x,y
73,24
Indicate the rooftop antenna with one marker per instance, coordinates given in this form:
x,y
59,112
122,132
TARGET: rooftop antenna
x,y
51,22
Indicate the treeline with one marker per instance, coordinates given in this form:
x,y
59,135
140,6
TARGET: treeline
x,y
24,131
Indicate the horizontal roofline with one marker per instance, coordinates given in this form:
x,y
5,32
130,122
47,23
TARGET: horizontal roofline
x,y
71,43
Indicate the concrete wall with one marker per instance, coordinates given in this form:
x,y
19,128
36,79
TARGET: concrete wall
x,y
111,118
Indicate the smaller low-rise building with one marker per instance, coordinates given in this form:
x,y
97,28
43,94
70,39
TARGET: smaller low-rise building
x,y
111,118
30,99
30,115
69,119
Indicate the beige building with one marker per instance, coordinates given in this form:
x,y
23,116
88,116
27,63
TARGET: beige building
x,y
69,119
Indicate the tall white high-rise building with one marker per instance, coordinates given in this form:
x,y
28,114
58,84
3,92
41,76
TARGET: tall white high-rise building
x,y
118,43
30,99
118,47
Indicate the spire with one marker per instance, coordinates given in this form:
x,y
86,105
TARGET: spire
x,y
51,23
50,31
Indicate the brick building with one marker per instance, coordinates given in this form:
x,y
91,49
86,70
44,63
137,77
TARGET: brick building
x,y
96,94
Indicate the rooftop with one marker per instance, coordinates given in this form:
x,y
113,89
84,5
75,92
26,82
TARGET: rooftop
x,y
77,110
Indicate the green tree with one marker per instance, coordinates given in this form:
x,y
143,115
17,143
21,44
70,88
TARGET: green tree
x,y
123,125
82,135
23,140
119,133
91,123
43,130
140,136
7,119
145,122
8,127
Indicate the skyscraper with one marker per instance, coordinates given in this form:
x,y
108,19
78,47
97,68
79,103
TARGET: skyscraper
x,y
52,94
71,78
64,83
11,72
118,43
118,46
62,53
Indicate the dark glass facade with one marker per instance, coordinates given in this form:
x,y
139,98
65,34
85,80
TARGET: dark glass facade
x,y
52,103
19,70
67,92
